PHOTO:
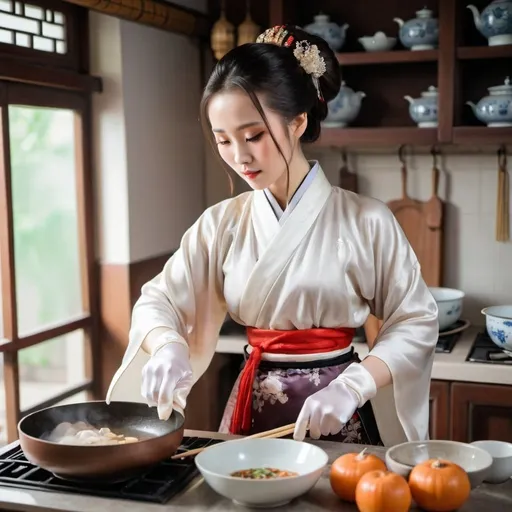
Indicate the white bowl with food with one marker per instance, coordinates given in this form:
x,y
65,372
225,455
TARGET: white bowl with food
x,y
449,304
262,473
476,462
498,322
501,453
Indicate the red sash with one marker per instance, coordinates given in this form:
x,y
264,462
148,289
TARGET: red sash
x,y
304,341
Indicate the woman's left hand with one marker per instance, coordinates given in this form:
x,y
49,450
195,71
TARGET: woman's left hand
x,y
327,411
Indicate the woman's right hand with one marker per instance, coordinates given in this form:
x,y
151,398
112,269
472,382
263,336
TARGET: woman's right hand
x,y
167,379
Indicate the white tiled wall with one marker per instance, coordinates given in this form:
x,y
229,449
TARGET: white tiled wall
x,y
473,261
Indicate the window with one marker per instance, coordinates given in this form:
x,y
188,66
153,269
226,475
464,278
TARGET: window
x,y
47,311
31,26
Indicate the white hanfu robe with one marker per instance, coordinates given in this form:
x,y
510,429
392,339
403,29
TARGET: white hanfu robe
x,y
333,259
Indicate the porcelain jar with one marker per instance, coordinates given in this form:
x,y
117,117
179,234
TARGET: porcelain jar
x,y
423,110
344,108
331,32
495,110
494,22
420,33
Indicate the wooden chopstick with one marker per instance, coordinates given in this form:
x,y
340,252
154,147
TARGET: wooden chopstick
x,y
285,430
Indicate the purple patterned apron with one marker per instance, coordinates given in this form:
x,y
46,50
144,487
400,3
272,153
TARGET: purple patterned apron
x,y
280,389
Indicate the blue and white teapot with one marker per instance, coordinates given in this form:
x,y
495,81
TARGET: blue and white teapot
x,y
423,110
420,33
495,22
495,109
328,30
344,108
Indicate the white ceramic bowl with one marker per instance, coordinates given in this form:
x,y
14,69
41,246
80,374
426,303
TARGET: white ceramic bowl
x,y
449,304
219,461
379,42
498,321
501,453
475,461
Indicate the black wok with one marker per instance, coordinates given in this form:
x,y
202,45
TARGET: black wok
x,y
158,440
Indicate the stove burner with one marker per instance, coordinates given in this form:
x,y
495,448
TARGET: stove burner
x,y
156,485
103,481
484,350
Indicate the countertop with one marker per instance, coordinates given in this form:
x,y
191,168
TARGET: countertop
x,y
200,497
452,366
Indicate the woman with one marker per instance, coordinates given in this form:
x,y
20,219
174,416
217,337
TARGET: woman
x,y
300,263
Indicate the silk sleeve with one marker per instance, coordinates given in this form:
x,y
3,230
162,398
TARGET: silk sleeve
x,y
408,337
185,298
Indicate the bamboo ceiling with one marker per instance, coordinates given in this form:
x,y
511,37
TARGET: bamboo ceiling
x,y
165,16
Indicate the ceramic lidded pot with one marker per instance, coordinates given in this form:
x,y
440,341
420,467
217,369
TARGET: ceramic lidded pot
x,y
494,22
344,108
423,110
495,110
331,32
420,33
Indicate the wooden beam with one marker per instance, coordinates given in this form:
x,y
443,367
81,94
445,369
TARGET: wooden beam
x,y
159,14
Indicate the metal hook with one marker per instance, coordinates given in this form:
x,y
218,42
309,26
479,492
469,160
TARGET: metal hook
x,y
502,156
344,156
434,151
401,156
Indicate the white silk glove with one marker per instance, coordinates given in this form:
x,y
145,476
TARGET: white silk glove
x,y
327,411
167,379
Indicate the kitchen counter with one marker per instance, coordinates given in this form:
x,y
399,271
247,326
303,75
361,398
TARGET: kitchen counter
x,y
452,366
200,497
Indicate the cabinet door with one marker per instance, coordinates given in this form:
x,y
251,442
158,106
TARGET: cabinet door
x,y
481,411
439,417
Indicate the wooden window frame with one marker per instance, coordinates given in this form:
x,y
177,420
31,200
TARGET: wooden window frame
x,y
68,71
37,96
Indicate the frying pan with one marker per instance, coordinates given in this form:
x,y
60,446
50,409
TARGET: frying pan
x,y
158,440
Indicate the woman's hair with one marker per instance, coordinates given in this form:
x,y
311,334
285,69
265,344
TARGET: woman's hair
x,y
274,73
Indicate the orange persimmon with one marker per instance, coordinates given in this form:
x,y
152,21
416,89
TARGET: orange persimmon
x,y
383,491
439,485
348,469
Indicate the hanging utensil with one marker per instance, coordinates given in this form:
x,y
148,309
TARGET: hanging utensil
x,y
222,35
348,179
422,224
248,31
502,201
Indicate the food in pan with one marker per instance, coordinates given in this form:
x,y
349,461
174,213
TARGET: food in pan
x,y
263,473
82,434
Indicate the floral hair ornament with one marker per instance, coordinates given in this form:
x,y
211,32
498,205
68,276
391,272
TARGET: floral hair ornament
x,y
311,62
307,55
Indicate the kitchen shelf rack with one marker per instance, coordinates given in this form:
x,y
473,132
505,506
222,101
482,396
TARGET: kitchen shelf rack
x,y
391,57
484,52
463,67
379,136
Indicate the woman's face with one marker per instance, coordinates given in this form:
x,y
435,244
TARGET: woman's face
x,y
244,142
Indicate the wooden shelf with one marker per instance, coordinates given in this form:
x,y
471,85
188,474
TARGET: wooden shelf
x,y
392,57
466,135
484,52
380,136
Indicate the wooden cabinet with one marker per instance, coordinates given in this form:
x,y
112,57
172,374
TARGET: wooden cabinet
x,y
480,411
462,67
439,410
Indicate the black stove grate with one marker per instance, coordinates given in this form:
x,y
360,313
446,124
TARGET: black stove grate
x,y
484,350
156,485
445,344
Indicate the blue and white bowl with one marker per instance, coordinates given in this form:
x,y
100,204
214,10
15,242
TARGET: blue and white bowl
x,y
449,305
498,321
